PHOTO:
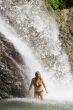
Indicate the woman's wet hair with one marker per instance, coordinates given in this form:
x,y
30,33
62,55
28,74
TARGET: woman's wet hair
x,y
37,73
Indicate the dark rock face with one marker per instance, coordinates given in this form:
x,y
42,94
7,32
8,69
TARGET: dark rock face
x,y
11,78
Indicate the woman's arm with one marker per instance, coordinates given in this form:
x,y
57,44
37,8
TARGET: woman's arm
x,y
30,85
44,86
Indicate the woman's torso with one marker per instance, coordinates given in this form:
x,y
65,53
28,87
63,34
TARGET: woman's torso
x,y
37,84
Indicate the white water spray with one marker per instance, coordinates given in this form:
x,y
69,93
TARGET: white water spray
x,y
57,89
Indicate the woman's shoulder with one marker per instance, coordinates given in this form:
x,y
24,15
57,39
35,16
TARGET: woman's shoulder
x,y
33,79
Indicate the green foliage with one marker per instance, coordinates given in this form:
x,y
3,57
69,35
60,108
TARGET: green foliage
x,y
54,3
58,4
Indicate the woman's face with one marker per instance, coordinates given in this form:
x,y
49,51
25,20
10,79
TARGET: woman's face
x,y
37,75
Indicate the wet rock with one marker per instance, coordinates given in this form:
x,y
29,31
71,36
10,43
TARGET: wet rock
x,y
64,18
11,79
66,32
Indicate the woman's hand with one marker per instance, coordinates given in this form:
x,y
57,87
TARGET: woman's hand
x,y
47,92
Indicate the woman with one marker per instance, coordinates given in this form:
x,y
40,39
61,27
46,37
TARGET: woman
x,y
38,84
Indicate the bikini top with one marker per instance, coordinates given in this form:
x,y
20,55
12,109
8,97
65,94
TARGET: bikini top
x,y
37,82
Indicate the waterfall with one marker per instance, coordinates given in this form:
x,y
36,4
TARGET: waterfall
x,y
35,21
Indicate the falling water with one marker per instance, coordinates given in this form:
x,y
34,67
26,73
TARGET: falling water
x,y
58,77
